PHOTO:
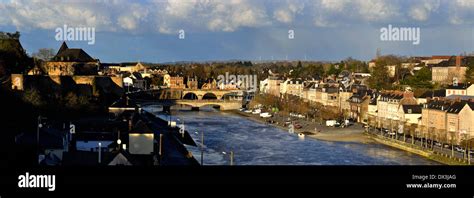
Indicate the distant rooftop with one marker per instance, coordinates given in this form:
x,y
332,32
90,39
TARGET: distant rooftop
x,y
67,54
459,86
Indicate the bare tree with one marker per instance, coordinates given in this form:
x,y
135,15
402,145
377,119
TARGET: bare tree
x,y
44,54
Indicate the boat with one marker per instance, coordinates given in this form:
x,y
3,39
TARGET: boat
x,y
257,111
301,135
265,115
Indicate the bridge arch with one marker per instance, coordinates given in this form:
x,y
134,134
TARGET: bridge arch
x,y
209,96
190,96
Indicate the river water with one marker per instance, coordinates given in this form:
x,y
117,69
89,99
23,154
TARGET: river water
x,y
254,143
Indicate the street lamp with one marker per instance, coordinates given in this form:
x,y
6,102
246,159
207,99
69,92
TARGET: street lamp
x,y
118,143
202,147
39,125
100,152
231,157
465,135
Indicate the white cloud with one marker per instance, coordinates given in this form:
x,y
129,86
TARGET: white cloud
x,y
288,11
131,20
332,13
465,3
180,8
455,20
422,11
52,14
127,22
419,13
462,12
211,15
165,29
321,22
168,16
376,10
283,16
334,5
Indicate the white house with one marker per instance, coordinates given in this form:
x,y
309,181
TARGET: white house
x,y
461,89
128,81
409,114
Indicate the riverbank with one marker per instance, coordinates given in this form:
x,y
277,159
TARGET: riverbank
x,y
314,130
429,154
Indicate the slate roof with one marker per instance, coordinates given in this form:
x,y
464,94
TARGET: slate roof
x,y
415,109
459,86
435,93
67,54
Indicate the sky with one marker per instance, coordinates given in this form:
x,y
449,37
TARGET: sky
x,y
328,30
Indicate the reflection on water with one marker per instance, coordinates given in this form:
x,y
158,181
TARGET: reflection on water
x,y
260,144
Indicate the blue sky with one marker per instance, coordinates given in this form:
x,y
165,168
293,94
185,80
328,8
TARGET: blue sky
x,y
243,29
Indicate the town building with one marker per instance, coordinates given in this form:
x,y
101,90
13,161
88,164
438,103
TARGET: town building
x,y
274,85
69,62
192,83
451,70
344,103
431,95
177,82
127,67
292,87
210,83
409,114
433,118
173,82
462,89
391,70
388,106
460,120
359,107
271,85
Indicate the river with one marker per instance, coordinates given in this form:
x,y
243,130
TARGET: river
x,y
254,143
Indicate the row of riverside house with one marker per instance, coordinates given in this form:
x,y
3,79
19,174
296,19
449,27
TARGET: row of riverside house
x,y
444,115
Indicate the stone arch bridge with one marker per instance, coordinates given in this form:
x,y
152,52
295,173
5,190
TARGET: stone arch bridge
x,y
199,94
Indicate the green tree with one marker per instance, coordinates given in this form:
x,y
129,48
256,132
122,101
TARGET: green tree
x,y
13,57
354,65
470,70
315,69
421,79
379,78
334,70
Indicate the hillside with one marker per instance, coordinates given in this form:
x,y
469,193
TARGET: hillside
x,y
13,58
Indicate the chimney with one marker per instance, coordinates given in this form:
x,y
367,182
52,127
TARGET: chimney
x,y
458,61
